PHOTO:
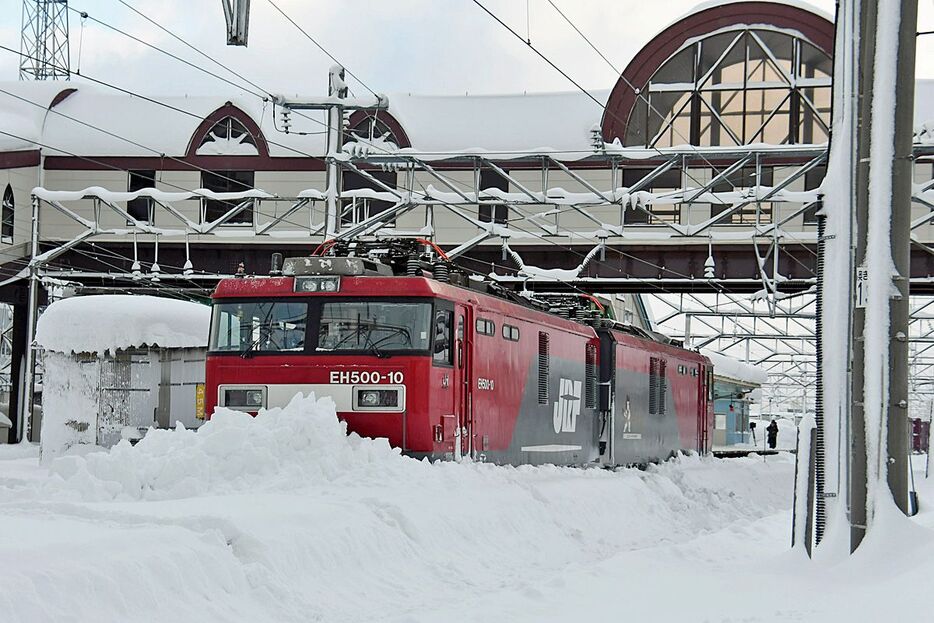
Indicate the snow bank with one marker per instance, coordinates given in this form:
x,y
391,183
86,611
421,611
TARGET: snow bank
x,y
97,324
303,442
735,369
285,517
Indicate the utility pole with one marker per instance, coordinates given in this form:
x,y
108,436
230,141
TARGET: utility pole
x,y
335,104
337,89
895,404
902,179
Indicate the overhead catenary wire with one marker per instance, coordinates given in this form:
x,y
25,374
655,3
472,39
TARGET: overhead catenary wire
x,y
192,47
265,94
321,47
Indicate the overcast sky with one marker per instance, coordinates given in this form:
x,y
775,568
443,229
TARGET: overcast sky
x,y
410,46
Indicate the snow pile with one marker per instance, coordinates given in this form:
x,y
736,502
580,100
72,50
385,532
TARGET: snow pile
x,y
303,442
728,367
97,324
71,405
284,517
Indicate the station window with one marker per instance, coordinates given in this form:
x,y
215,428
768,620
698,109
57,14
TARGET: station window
x,y
745,178
490,212
443,330
485,327
657,386
228,137
227,182
140,207
652,214
543,366
511,333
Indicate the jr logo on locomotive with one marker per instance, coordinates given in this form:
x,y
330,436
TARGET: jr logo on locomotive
x,y
567,406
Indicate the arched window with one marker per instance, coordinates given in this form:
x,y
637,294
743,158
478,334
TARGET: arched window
x,y
228,137
746,84
6,215
370,128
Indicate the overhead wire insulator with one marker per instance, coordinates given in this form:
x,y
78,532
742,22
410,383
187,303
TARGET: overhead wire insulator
x,y
285,119
136,269
710,267
188,268
155,270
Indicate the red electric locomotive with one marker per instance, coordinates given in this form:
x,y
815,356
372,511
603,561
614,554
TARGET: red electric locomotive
x,y
444,365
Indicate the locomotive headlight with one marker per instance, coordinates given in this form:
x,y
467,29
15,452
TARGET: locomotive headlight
x,y
369,398
244,398
376,398
317,284
254,398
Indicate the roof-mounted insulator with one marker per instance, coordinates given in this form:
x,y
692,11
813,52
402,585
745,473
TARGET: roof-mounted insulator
x,y
442,272
596,139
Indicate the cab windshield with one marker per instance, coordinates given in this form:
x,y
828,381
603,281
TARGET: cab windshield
x,y
378,327
374,326
260,326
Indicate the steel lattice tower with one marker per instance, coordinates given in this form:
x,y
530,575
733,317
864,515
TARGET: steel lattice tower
x,y
44,46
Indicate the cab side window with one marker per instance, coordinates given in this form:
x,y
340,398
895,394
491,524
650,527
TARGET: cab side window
x,y
443,329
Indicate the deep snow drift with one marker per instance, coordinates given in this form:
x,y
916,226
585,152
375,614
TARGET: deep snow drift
x,y
286,518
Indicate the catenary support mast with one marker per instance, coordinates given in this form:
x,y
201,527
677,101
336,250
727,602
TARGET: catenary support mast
x,y
894,407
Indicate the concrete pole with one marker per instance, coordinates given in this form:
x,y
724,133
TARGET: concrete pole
x,y
867,37
336,89
902,178
897,401
32,315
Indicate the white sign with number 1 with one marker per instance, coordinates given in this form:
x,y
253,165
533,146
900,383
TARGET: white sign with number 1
x,y
862,284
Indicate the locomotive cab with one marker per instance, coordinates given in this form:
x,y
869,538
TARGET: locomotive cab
x,y
380,346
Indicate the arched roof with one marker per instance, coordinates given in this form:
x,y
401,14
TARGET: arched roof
x,y
813,26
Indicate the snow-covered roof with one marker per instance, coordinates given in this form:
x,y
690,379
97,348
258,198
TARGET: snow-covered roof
x,y
709,4
102,323
500,125
22,119
733,369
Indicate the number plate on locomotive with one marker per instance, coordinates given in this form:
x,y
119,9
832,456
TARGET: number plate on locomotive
x,y
365,377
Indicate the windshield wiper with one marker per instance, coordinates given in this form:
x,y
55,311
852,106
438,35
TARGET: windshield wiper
x,y
369,340
364,330
247,353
